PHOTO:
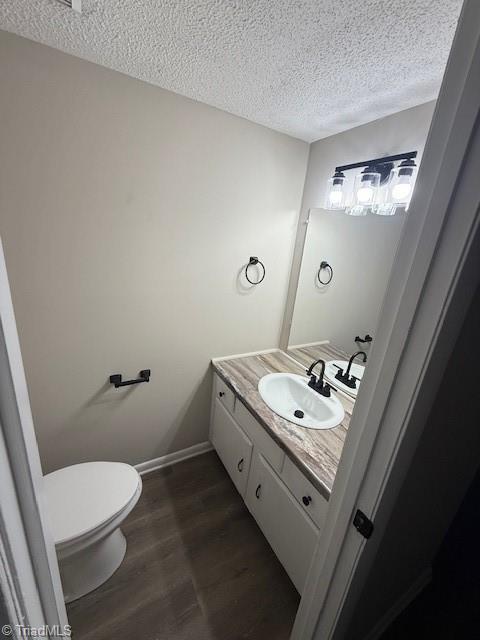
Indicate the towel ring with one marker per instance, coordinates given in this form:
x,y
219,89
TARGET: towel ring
x,y
324,265
252,262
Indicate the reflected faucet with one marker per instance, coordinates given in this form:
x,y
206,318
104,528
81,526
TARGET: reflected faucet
x,y
346,378
317,384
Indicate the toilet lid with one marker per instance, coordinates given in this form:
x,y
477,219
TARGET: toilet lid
x,y
84,496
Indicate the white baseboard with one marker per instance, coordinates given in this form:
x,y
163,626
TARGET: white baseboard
x,y
173,458
245,355
402,603
308,344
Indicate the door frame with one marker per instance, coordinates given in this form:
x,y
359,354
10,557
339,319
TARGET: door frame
x,y
434,269
433,280
29,574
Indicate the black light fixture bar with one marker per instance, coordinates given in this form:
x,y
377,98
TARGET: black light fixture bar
x,y
376,161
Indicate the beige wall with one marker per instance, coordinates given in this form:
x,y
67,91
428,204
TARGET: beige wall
x,y
361,250
126,214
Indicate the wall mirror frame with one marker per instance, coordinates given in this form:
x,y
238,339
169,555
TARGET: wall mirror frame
x,y
340,300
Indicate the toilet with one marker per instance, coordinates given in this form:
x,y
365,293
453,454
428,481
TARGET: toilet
x,y
86,504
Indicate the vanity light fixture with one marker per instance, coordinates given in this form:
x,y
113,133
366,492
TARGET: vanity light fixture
x,y
336,191
380,187
76,5
401,182
366,187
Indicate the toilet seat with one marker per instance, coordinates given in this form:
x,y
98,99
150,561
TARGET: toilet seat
x,y
85,497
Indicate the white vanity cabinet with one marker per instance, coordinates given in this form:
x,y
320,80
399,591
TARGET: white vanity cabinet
x,y
286,506
291,533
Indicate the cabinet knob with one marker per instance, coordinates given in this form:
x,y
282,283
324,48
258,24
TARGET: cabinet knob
x,y
221,394
306,500
240,465
257,492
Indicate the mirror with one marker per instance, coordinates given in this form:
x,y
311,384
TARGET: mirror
x,y
359,252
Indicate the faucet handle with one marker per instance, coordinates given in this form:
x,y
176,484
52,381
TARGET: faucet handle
x,y
325,389
313,379
352,383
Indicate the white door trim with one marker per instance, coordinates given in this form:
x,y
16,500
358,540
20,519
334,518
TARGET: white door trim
x,y
17,579
435,261
32,568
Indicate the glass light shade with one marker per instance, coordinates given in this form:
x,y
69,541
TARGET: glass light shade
x,y
365,188
356,210
385,209
402,180
335,198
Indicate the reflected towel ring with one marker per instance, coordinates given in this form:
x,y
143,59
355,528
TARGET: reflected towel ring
x,y
324,265
252,262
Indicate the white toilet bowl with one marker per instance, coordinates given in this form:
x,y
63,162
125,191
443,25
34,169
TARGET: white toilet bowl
x,y
87,504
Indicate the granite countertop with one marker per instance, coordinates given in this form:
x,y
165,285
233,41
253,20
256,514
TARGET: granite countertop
x,y
306,355
315,452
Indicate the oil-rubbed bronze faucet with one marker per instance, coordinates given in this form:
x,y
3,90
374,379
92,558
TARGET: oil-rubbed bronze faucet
x,y
346,378
318,385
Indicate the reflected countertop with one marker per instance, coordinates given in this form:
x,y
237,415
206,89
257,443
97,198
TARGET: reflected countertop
x,y
316,453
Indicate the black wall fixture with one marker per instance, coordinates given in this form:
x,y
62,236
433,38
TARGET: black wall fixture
x,y
368,338
381,165
116,379
327,271
253,261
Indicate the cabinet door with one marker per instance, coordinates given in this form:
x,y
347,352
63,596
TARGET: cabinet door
x,y
232,445
291,534
263,443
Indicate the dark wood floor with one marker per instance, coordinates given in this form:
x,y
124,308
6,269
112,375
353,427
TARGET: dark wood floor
x,y
197,567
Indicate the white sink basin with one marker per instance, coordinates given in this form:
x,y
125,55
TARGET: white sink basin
x,y
331,369
287,393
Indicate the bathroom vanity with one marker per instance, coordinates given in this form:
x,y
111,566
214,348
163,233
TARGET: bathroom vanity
x,y
284,472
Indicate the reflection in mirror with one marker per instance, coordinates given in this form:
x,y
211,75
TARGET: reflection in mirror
x,y
353,256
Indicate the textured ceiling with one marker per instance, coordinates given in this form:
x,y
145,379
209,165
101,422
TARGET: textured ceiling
x,y
309,68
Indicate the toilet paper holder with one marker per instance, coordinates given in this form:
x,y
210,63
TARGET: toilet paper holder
x,y
116,379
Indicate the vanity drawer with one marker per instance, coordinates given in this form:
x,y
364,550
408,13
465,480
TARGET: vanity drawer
x,y
309,498
260,438
224,394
